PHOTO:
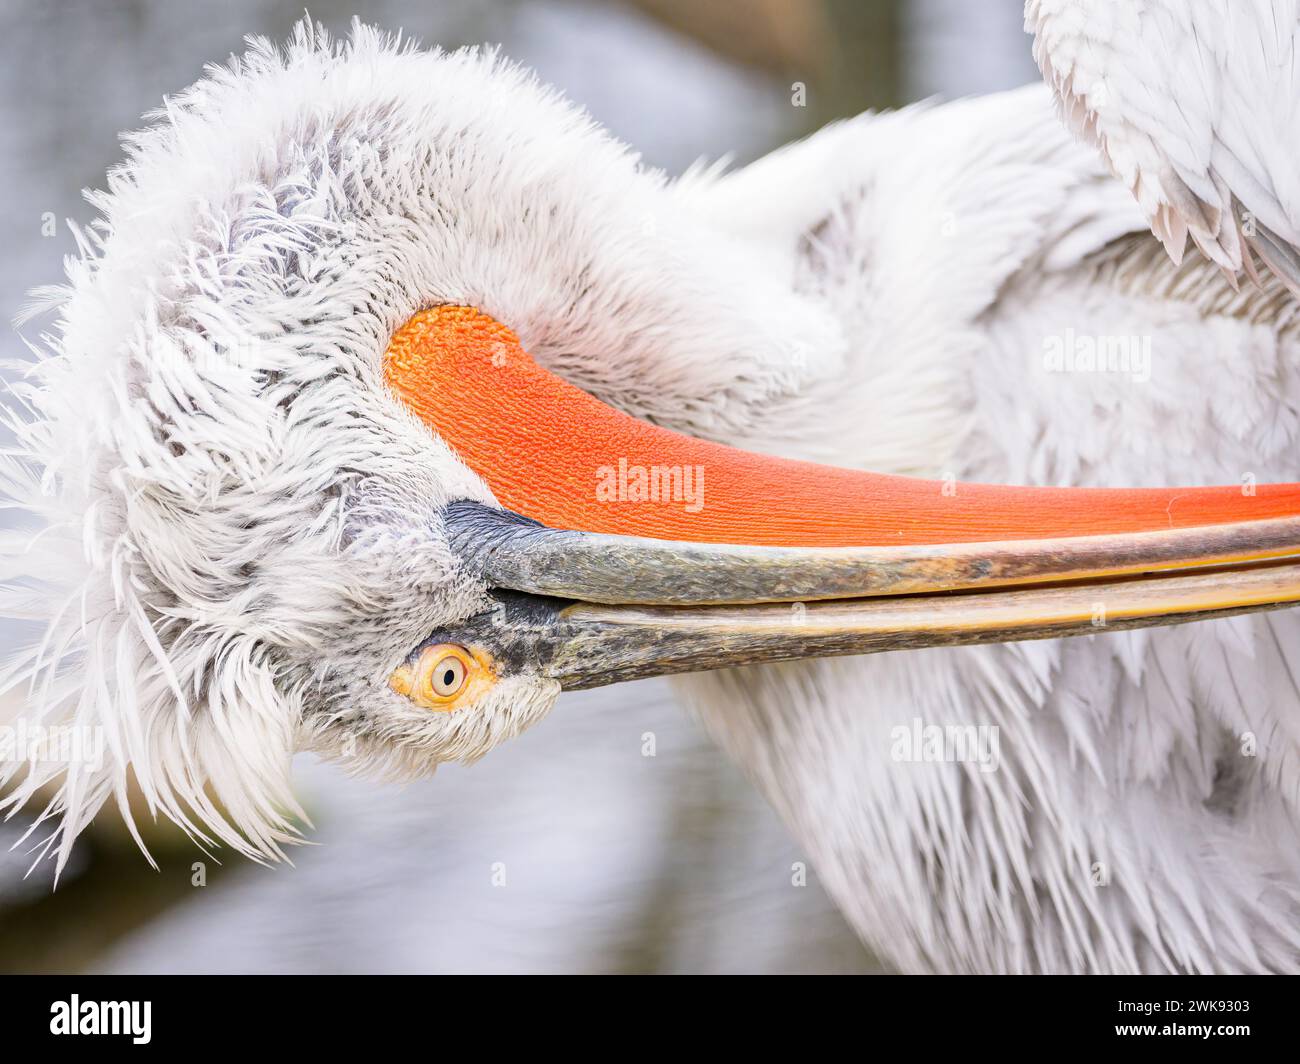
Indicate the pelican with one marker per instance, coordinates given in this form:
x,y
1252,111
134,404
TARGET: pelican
x,y
389,397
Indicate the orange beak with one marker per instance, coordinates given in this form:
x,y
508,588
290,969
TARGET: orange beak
x,y
637,515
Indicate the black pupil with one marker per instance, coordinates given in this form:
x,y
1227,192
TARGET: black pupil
x,y
448,677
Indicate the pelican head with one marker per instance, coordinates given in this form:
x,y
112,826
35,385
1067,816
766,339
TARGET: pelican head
x,y
385,401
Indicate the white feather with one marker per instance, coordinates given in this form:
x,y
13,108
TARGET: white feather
x,y
1195,106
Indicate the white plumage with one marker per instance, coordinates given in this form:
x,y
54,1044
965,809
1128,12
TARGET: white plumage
x,y
1195,106
209,458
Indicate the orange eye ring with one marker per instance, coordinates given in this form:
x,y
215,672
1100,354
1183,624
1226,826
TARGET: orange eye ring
x,y
442,677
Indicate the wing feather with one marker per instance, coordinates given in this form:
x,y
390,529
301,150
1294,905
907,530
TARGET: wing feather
x,y
1193,104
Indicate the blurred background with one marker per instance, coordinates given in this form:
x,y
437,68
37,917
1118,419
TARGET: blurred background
x,y
567,850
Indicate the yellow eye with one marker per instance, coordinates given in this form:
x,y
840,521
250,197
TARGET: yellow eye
x,y
443,677
448,676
